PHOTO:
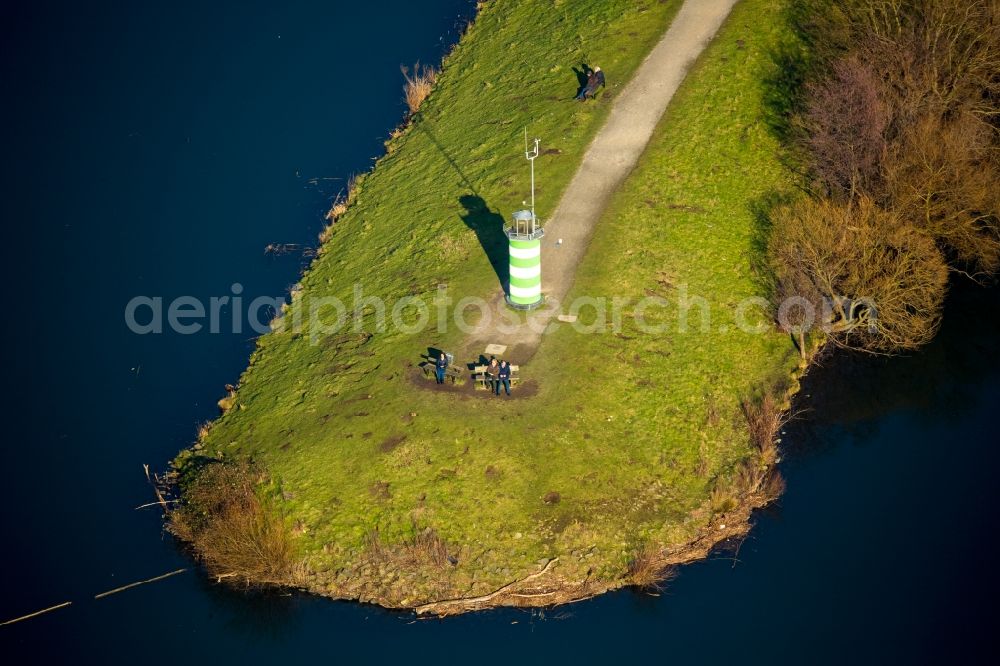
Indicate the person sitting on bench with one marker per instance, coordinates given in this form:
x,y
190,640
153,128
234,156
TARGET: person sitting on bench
x,y
503,377
492,371
594,81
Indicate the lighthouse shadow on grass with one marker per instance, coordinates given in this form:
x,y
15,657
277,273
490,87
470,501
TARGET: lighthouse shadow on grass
x,y
488,227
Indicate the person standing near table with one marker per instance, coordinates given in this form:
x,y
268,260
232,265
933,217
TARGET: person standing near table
x,y
440,366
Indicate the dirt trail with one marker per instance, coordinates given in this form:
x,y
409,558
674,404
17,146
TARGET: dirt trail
x,y
609,159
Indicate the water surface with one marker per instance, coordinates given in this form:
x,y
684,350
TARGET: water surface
x,y
157,149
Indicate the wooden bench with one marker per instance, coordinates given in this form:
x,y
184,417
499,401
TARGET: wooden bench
x,y
483,379
429,366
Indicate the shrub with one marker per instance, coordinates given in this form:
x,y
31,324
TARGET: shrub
x,y
764,419
234,532
426,547
773,486
340,204
749,475
375,550
226,403
646,569
722,499
418,84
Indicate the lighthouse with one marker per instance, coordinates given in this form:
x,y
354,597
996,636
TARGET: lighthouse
x,y
524,236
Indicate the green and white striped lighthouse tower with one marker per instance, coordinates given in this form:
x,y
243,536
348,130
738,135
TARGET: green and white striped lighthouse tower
x,y
525,242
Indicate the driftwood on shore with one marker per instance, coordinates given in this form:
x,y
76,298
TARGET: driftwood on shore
x,y
469,603
735,524
289,248
155,484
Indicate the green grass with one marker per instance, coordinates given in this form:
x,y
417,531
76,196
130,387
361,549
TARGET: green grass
x,y
632,430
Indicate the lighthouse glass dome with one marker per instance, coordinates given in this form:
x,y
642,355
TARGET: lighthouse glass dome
x,y
524,236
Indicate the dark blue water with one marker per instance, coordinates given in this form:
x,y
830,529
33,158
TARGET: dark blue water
x,y
157,149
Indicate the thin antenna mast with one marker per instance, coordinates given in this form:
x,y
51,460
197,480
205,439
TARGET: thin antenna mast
x,y
530,156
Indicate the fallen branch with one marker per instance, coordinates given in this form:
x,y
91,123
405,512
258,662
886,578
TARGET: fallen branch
x,y
157,503
141,582
159,496
436,606
36,613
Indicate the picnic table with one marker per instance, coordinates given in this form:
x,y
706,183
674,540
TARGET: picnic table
x,y
452,372
483,378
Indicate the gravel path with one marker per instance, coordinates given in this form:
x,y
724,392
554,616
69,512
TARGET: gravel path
x,y
610,158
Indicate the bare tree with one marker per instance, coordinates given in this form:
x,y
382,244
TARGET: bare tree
x,y
859,273
906,113
845,122
953,48
942,53
942,176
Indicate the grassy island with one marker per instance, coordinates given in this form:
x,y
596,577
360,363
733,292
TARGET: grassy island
x,y
623,451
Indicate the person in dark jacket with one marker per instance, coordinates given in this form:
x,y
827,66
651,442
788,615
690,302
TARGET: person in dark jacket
x,y
440,366
503,377
594,81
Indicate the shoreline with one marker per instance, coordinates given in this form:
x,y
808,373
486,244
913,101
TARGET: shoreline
x,y
535,589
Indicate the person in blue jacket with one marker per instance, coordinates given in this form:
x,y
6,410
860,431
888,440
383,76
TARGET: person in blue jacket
x,y
440,365
503,378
